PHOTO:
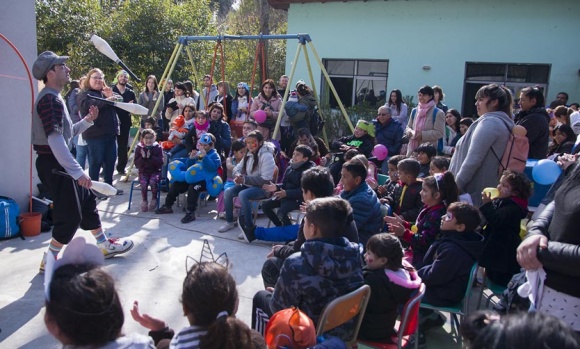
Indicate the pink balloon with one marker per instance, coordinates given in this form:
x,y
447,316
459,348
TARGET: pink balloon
x,y
380,152
260,116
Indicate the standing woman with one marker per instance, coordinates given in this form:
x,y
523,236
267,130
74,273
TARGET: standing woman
x,y
240,109
447,143
102,137
176,104
439,97
148,98
422,126
474,164
255,170
269,101
398,108
552,243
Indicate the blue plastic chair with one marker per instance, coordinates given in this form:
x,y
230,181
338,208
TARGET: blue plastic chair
x,y
162,182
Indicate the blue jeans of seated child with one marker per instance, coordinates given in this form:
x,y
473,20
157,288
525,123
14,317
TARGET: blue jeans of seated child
x,y
282,233
244,194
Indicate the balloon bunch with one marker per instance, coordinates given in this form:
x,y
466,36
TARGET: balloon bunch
x,y
195,173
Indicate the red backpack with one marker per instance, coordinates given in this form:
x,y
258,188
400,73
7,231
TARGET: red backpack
x,y
515,154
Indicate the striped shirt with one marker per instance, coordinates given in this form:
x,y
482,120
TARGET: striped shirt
x,y
188,338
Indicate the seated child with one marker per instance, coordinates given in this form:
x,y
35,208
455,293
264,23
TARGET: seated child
x,y
348,155
238,152
324,259
388,188
150,124
392,281
176,133
502,229
316,183
425,152
210,301
288,196
211,163
372,170
439,164
83,309
148,159
365,205
448,262
405,199
436,192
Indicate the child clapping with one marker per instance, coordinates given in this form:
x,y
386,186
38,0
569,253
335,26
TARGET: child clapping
x,y
148,159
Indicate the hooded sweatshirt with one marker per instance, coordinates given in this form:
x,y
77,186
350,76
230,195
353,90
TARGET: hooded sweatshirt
x,y
264,172
447,266
502,233
536,122
389,290
323,270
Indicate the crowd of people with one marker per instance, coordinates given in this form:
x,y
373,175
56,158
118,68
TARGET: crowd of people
x,y
428,223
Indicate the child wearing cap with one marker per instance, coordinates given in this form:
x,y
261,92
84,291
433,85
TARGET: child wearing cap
x,y
362,139
210,161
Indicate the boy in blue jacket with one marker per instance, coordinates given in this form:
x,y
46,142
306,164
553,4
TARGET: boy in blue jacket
x,y
211,163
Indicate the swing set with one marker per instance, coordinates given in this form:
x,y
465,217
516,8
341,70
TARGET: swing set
x,y
303,39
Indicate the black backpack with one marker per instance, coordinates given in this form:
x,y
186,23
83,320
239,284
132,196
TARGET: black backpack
x,y
316,122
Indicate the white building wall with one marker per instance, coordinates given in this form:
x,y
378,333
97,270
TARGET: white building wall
x,y
18,25
444,34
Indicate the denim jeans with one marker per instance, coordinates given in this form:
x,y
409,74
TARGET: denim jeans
x,y
102,151
244,194
82,153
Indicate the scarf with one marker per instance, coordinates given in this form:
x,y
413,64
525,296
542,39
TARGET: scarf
x,y
203,127
419,123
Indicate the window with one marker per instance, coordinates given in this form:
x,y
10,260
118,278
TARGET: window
x,y
513,75
361,82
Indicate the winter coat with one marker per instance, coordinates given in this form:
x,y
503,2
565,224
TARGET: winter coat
x,y
559,222
447,267
390,135
302,111
473,163
502,234
365,144
107,124
432,130
536,122
227,105
153,159
223,136
149,100
389,290
427,231
291,182
323,270
260,102
130,341
366,210
411,206
264,172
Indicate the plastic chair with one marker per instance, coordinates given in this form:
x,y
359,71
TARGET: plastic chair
x,y
408,324
162,182
461,308
382,178
342,309
496,290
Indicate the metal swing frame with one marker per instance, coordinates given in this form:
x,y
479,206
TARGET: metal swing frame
x,y
303,40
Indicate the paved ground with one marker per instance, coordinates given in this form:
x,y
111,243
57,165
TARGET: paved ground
x,y
152,272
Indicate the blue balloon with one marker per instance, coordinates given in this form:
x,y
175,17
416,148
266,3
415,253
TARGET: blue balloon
x,y
546,172
177,170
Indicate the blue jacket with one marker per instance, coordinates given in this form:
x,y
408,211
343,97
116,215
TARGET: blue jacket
x,y
389,135
223,136
366,210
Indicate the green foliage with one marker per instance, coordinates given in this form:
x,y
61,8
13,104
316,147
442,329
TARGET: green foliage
x,y
143,33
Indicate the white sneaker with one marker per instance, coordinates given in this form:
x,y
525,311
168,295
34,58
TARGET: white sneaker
x,y
227,226
113,247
